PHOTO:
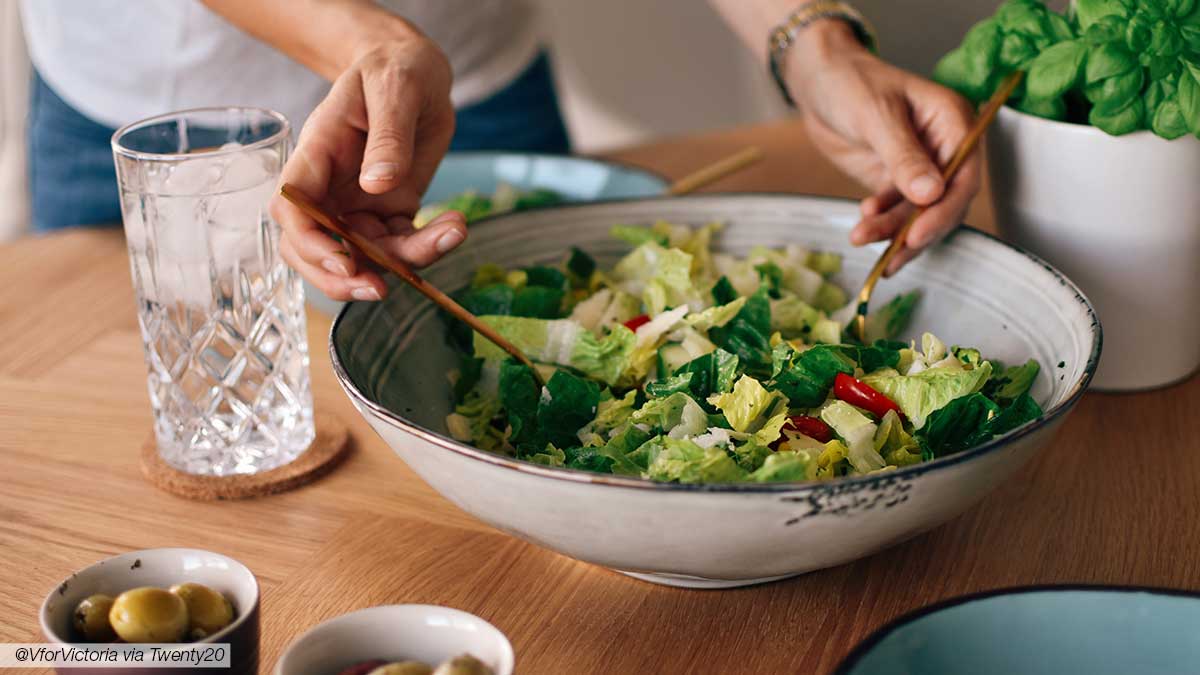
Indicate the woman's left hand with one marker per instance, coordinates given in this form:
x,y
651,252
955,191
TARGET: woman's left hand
x,y
887,128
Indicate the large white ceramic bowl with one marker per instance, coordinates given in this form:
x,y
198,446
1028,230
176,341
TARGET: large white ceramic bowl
x,y
392,359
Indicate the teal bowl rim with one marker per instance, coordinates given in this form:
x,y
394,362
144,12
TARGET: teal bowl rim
x,y
832,487
620,164
860,650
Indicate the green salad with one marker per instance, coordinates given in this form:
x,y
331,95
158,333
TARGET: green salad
x,y
684,365
474,205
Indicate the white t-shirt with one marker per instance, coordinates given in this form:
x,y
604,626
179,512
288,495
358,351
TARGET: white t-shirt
x,y
118,61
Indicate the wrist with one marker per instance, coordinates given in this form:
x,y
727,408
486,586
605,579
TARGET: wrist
x,y
373,29
822,42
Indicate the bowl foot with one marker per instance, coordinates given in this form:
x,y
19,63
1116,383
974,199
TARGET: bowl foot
x,y
688,581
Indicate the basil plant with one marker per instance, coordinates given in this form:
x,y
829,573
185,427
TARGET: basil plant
x,y
1119,65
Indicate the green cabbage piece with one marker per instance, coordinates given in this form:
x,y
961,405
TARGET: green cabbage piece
x,y
748,406
858,431
682,461
715,316
635,235
785,466
612,414
806,377
562,342
921,394
894,444
1008,384
892,319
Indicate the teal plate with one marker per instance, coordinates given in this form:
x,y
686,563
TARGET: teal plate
x,y
577,179
1053,630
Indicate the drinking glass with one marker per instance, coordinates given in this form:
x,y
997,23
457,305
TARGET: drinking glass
x,y
221,315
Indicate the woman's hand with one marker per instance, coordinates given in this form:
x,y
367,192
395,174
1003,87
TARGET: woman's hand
x,y
885,127
368,152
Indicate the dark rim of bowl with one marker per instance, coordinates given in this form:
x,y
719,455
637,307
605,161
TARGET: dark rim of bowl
x,y
620,164
862,649
238,621
588,477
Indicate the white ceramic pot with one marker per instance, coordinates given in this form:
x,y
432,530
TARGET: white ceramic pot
x,y
1120,216
392,359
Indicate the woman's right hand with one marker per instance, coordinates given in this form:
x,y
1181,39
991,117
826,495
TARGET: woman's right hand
x,y
368,152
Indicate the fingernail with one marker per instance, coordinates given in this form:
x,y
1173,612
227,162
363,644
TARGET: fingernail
x,y
924,187
858,237
381,171
449,240
365,293
335,266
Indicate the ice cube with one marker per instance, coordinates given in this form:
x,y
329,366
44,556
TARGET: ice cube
x,y
191,177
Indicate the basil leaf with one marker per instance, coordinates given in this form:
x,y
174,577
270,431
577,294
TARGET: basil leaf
x,y
1108,60
1121,119
1053,109
1188,94
1115,90
1055,70
1017,51
1088,12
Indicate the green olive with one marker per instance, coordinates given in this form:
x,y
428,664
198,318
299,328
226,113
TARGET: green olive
x,y
149,615
463,665
403,668
208,610
91,618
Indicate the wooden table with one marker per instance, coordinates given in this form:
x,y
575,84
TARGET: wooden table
x,y
1110,502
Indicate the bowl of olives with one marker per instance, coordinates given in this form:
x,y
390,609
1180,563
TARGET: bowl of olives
x,y
400,640
162,595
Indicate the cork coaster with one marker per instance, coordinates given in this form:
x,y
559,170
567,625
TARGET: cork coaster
x,y
327,449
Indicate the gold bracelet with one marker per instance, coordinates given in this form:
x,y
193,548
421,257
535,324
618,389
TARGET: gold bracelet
x,y
785,34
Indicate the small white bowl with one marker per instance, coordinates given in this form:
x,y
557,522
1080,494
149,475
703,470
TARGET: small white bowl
x,y
427,633
163,567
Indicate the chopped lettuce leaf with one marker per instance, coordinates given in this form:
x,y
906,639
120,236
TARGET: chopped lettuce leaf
x,y
562,342
891,320
858,432
714,372
611,415
751,455
792,317
566,404
806,377
1009,384
786,466
550,456
588,459
664,415
746,404
954,427
833,460
621,448
519,394
682,461
635,235
670,285
648,339
895,444
715,316
747,335
1020,412
580,266
928,390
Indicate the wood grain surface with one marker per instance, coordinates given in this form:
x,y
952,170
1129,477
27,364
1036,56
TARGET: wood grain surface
x,y
1109,502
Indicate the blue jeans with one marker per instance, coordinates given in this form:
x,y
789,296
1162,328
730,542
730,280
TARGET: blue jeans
x,y
73,180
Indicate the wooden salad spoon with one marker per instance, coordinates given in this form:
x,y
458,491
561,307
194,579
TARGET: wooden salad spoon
x,y
402,270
